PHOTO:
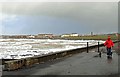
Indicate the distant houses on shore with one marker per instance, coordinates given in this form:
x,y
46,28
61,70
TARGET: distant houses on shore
x,y
70,35
50,36
38,36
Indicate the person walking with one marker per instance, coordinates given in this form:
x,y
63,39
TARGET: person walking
x,y
109,44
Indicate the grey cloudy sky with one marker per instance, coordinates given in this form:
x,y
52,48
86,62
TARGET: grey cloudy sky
x,y
59,17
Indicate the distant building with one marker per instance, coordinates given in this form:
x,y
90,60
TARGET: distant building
x,y
31,36
18,36
65,35
91,33
44,35
70,35
74,34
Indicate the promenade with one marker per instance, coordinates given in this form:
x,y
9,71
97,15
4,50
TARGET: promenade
x,y
78,64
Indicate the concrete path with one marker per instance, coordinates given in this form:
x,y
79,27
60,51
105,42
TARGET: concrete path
x,y
78,64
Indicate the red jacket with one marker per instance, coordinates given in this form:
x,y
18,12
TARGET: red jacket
x,y
108,43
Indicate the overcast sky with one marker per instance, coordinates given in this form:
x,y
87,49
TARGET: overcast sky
x,y
59,17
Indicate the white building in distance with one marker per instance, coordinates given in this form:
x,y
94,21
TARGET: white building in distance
x,y
70,35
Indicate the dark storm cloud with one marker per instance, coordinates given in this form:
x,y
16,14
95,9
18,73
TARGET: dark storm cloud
x,y
94,16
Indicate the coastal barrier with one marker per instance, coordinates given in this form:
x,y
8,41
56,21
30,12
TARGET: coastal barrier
x,y
29,62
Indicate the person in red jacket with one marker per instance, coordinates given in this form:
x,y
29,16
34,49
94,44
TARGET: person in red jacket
x,y
109,44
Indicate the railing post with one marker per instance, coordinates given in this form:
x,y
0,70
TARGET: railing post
x,y
99,50
98,47
87,47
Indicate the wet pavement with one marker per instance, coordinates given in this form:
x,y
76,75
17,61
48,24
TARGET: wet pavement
x,y
78,64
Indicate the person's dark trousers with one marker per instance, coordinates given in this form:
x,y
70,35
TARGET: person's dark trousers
x,y
109,52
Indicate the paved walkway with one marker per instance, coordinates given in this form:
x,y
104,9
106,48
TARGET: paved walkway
x,y
78,64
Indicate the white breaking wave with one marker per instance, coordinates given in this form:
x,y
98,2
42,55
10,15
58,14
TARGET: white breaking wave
x,y
22,48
